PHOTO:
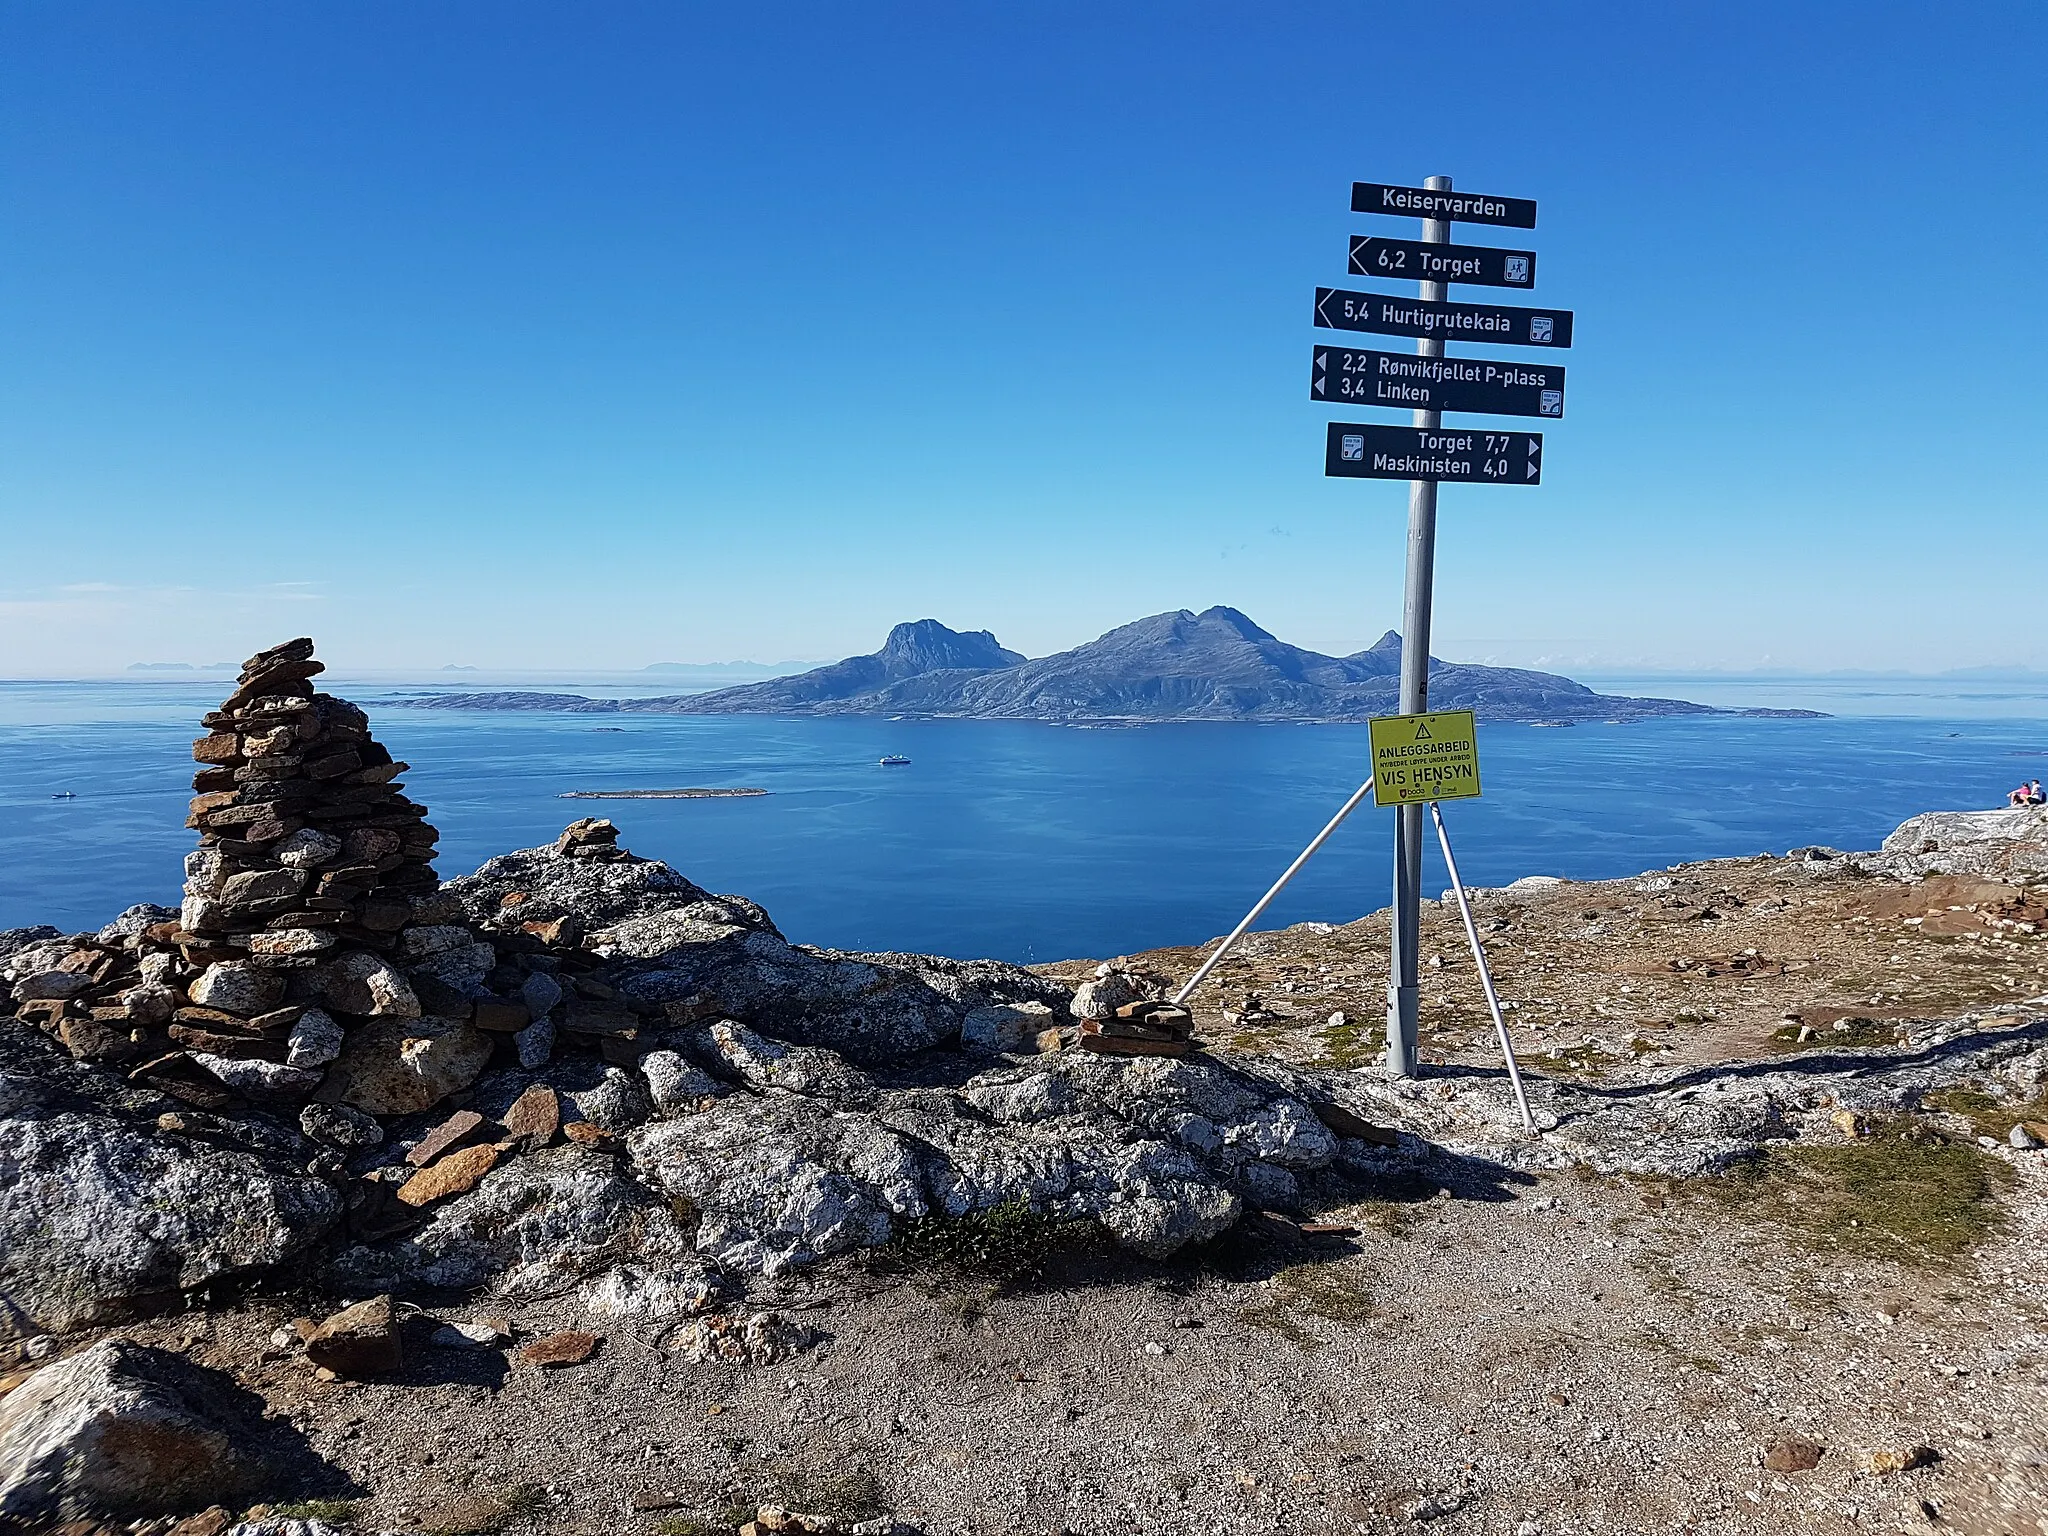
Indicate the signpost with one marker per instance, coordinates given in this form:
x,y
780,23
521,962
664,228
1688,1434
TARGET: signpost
x,y
1354,376
1360,451
1343,310
1419,758
1414,260
1426,455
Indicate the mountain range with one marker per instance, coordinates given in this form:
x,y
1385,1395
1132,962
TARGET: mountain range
x,y
1213,665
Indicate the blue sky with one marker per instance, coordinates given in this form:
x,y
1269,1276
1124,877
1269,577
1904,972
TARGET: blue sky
x,y
540,336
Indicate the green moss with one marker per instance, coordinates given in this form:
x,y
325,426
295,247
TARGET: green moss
x,y
1579,1060
1006,1242
1851,1033
486,1514
1986,1115
1327,1291
1907,1193
331,1511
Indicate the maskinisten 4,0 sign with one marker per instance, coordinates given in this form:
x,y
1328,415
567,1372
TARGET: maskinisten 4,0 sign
x,y
1424,757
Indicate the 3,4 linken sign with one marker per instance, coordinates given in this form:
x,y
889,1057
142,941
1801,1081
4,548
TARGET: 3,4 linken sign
x,y
1353,376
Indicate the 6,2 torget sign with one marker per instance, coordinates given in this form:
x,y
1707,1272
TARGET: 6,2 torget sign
x,y
1420,261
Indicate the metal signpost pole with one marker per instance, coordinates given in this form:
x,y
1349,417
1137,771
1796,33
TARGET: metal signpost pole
x,y
1404,975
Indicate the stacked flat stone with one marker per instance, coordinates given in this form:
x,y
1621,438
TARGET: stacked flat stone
x,y
305,838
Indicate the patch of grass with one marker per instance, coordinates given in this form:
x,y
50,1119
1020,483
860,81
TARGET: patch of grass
x,y
485,1514
1580,1060
1907,1193
1986,1115
1348,1045
845,1495
1327,1291
331,1511
1855,1033
722,1524
1390,1217
1008,1243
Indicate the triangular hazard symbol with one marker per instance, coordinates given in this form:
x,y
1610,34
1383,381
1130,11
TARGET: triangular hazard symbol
x,y
1422,731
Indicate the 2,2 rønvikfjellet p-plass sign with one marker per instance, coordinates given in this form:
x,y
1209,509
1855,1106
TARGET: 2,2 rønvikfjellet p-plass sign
x,y
1419,260
1342,309
1427,203
1359,451
1353,376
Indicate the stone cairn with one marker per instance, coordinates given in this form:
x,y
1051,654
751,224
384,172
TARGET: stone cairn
x,y
311,867
1118,1019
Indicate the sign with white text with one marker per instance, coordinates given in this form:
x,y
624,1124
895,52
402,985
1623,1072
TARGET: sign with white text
x,y
1359,451
1372,256
1344,310
1354,376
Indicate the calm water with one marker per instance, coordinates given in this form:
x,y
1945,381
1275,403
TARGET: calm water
x,y
1025,841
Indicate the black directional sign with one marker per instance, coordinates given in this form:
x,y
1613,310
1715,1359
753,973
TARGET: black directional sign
x,y
1421,203
1357,451
1355,377
1343,310
1372,256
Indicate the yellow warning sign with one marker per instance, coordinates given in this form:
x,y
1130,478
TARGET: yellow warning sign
x,y
1424,757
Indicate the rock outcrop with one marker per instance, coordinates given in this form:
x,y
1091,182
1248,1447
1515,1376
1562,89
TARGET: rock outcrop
x,y
120,1429
575,1070
1995,845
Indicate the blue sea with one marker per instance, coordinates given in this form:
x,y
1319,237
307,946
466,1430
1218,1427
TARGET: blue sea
x,y
1028,841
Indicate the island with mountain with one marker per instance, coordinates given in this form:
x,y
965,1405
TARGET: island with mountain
x,y
1213,665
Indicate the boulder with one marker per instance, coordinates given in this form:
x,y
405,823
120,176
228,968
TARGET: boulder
x,y
358,1341
1999,845
368,986
402,1066
533,1224
102,1218
1005,1028
779,1183
119,1430
807,1069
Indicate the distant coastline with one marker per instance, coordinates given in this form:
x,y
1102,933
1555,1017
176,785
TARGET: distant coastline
x,y
1216,665
659,794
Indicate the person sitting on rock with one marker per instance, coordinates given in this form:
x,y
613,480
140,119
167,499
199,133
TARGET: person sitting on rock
x,y
2026,794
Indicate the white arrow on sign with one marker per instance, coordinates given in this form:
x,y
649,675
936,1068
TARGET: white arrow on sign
x,y
1530,471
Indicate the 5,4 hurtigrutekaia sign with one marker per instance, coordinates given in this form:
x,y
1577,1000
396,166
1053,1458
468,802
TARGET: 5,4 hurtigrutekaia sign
x,y
1344,310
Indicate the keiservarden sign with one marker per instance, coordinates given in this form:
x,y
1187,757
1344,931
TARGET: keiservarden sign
x,y
1422,203
1359,451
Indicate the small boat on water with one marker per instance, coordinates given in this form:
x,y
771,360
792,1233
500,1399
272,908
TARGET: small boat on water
x,y
65,794
893,761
